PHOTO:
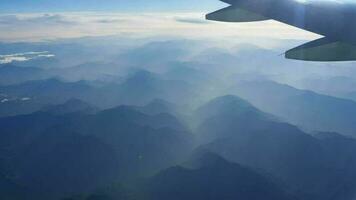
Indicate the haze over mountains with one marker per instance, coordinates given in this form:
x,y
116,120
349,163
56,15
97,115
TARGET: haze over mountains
x,y
173,119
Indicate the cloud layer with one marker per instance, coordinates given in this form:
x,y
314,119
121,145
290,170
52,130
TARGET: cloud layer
x,y
39,27
107,5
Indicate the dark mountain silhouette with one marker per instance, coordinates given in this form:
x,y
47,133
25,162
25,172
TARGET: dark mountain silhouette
x,y
213,178
208,176
61,155
308,165
12,191
19,131
144,143
63,164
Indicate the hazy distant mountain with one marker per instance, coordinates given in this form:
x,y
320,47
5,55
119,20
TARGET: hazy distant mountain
x,y
228,105
11,106
224,116
11,74
52,89
15,73
90,71
65,53
338,86
139,88
298,160
158,106
240,59
142,87
155,55
34,96
304,108
185,71
71,106
351,95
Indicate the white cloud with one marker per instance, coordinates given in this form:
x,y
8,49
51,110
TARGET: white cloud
x,y
22,57
34,19
13,59
4,100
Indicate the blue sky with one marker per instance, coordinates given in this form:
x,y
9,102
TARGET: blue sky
x,y
107,5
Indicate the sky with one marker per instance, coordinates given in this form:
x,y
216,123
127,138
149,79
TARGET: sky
x,y
106,5
11,6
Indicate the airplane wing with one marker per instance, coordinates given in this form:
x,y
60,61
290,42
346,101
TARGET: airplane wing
x,y
323,49
329,48
235,14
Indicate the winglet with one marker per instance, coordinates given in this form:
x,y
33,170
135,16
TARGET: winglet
x,y
323,50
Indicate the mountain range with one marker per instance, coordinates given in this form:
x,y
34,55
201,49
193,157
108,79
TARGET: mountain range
x,y
113,118
303,162
307,109
53,150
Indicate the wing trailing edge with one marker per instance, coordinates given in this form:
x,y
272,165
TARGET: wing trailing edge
x,y
323,49
234,14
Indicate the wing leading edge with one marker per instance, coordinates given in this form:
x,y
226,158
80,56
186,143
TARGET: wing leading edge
x,y
235,14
